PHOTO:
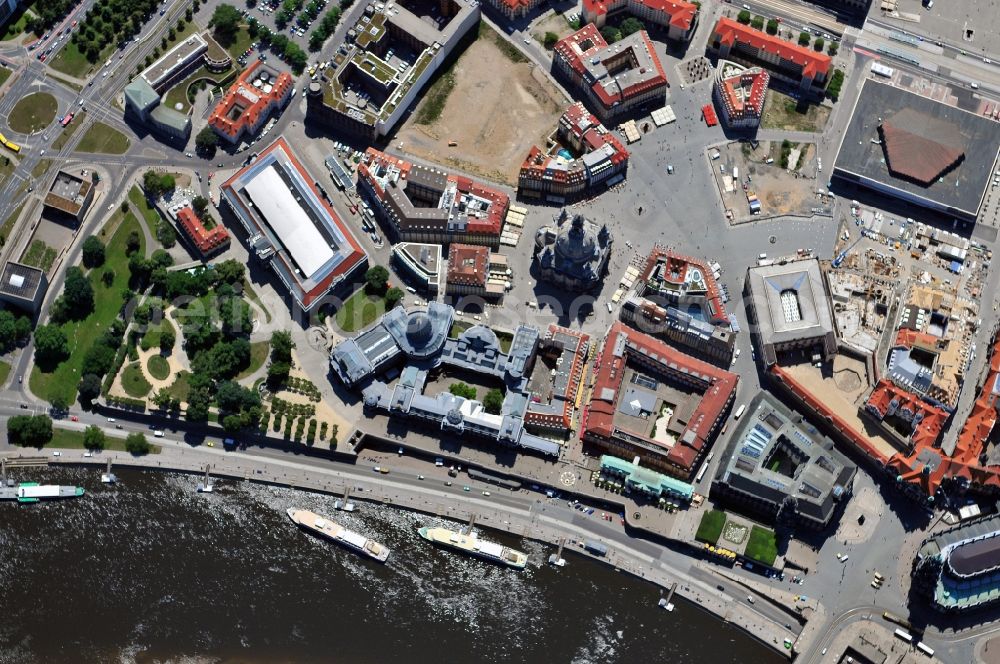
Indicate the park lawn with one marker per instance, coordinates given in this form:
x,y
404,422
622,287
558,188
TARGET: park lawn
x,y
180,388
102,139
8,224
33,113
68,132
62,382
762,546
158,367
359,311
241,42
16,28
72,62
710,528
149,213
4,371
151,339
258,355
178,93
251,295
73,440
134,381
4,75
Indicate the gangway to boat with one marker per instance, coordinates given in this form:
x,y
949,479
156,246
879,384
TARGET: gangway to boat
x,y
107,477
556,558
206,485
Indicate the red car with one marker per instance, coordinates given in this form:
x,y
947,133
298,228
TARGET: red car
x,y
74,418
354,209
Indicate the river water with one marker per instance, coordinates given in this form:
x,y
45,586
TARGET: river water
x,y
151,571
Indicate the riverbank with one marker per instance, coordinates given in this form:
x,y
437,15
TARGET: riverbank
x,y
532,520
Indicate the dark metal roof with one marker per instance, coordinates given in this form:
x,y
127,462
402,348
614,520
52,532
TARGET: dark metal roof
x,y
976,557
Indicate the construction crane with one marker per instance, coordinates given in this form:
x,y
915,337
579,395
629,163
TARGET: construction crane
x,y
842,255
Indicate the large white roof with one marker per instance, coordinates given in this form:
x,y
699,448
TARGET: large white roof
x,y
289,221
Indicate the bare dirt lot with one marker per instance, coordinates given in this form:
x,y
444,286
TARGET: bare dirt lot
x,y
497,110
781,191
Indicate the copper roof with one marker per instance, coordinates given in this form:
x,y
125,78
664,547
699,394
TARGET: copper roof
x,y
920,147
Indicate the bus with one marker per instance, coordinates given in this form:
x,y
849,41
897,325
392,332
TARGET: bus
x,y
891,617
739,411
66,120
904,636
926,649
704,467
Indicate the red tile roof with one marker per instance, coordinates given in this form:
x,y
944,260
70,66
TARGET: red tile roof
x,y
579,48
254,102
719,388
206,241
738,100
568,398
928,431
681,13
467,264
730,32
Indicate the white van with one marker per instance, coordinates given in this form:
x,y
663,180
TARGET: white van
x,y
158,434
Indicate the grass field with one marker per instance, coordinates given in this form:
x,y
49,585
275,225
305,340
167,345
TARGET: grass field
x,y
4,75
151,339
359,311
258,355
241,42
710,528
178,93
73,440
4,371
102,139
39,255
63,380
33,113
68,132
437,96
72,62
158,367
149,213
41,168
134,381
762,546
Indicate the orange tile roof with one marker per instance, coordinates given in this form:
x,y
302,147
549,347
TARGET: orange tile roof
x,y
467,264
677,267
681,13
255,103
742,103
205,240
610,371
928,431
731,32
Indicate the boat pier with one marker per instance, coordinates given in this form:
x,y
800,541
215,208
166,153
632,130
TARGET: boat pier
x,y
205,486
556,558
107,477
665,601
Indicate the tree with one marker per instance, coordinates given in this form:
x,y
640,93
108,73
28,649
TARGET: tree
x,y
832,91
232,423
804,39
166,234
772,26
832,49
108,277
233,397
463,390
89,388
51,346
59,404
225,21
29,430
393,297
77,299
157,184
744,17
93,252
611,34
206,142
631,25
94,438
136,443
550,40
376,280
198,401
277,374
819,44
200,204
133,243
493,401
230,271
167,339
281,346
757,23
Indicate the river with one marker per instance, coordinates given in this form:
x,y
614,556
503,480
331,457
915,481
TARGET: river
x,y
151,571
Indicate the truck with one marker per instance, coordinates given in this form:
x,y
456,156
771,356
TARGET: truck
x,y
596,548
